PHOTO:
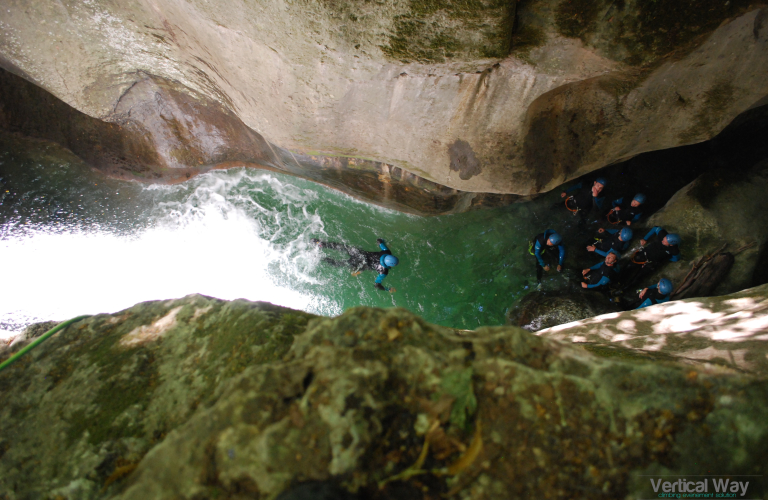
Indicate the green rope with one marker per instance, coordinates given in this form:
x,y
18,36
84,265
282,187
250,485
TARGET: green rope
x,y
8,362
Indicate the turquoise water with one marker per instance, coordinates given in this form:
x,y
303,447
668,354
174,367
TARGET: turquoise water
x,y
78,243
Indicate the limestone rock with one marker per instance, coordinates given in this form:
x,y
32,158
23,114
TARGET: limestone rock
x,y
478,97
731,330
539,310
199,398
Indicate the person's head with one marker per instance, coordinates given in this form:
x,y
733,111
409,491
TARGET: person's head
x,y
638,200
671,239
665,286
625,234
554,240
390,260
598,186
611,259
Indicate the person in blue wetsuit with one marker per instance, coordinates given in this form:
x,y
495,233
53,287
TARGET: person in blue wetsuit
x,y
614,241
625,211
583,200
600,275
664,248
656,294
549,239
362,260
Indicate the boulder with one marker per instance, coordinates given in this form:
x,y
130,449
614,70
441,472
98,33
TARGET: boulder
x,y
543,309
200,398
731,330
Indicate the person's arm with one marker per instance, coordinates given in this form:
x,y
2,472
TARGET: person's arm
x,y
573,188
596,266
601,252
382,244
654,231
645,303
603,281
637,217
674,258
612,231
378,285
562,255
537,254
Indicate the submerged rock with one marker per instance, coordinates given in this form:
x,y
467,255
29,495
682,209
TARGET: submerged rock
x,y
539,310
200,398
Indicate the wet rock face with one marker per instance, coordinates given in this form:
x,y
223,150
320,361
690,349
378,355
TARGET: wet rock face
x,y
539,310
511,98
158,133
199,398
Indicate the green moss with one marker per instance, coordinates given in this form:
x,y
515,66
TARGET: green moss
x,y
436,30
606,351
458,384
124,389
716,102
577,18
243,338
526,38
663,26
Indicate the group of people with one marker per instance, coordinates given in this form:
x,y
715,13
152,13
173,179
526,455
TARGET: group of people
x,y
657,247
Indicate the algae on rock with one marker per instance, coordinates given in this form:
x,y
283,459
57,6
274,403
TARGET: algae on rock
x,y
224,399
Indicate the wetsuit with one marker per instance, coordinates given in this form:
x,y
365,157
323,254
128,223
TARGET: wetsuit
x,y
601,275
626,212
540,246
361,260
611,243
647,259
656,252
583,199
652,297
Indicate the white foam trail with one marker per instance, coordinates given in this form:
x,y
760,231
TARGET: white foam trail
x,y
214,239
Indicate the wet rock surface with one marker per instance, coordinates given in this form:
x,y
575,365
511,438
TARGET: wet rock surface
x,y
159,133
544,309
535,93
199,398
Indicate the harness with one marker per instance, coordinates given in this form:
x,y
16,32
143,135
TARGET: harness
x,y
574,210
530,249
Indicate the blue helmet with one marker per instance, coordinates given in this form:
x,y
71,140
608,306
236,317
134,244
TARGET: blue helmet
x,y
555,238
673,239
600,180
389,260
665,286
639,197
626,234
